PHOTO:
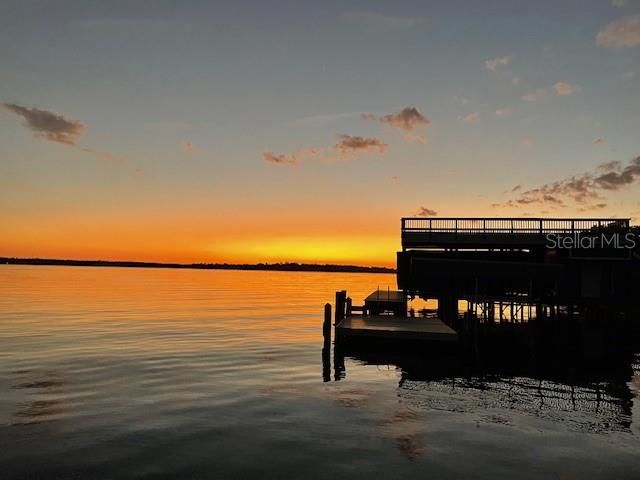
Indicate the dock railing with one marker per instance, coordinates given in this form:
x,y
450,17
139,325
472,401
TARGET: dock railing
x,y
542,226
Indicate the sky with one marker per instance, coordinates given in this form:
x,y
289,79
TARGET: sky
x,y
252,131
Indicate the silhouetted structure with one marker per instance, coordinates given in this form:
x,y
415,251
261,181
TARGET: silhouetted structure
x,y
523,284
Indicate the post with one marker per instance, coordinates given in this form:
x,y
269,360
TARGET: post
x,y
349,303
341,298
326,325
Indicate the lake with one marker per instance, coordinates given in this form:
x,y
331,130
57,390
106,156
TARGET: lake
x,y
118,373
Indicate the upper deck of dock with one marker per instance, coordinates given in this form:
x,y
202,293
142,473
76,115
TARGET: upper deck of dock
x,y
498,232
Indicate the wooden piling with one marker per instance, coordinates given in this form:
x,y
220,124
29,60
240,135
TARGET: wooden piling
x,y
341,298
326,325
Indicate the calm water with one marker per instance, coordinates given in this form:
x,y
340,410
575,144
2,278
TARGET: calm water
x,y
134,373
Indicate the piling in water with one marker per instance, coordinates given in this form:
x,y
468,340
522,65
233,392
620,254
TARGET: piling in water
x,y
326,324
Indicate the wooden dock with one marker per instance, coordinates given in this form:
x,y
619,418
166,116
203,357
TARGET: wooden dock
x,y
394,327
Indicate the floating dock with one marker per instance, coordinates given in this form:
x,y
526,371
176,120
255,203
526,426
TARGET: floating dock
x,y
399,328
384,316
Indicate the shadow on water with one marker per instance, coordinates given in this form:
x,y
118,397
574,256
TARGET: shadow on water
x,y
579,393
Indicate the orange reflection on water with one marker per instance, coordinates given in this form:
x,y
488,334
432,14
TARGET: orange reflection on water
x,y
168,309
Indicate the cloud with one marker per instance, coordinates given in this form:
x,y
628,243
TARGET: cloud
x,y
497,62
618,3
426,212
563,88
582,189
500,65
407,119
597,206
48,125
280,159
292,159
349,146
471,117
56,128
621,33
609,166
346,147
379,22
533,96
503,112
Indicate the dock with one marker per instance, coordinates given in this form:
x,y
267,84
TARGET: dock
x,y
384,316
537,287
399,328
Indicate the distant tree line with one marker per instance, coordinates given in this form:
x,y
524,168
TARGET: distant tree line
x,y
288,266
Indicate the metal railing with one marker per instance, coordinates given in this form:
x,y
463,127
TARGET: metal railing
x,y
512,225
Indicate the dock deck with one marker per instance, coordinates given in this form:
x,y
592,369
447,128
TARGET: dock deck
x,y
393,327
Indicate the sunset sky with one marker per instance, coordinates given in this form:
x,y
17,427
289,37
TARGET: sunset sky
x,y
302,131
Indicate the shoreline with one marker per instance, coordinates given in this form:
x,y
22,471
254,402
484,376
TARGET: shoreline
x,y
286,267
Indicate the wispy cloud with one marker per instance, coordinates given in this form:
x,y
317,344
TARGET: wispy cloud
x,y
503,112
426,212
346,147
471,117
563,88
379,22
618,3
499,65
497,62
533,96
290,159
590,208
47,125
583,189
621,33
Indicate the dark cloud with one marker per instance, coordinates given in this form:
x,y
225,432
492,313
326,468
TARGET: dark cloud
x,y
407,119
280,159
426,212
616,179
48,125
350,145
582,189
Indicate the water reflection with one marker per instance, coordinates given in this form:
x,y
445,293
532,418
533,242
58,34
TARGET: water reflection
x,y
595,400
41,397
